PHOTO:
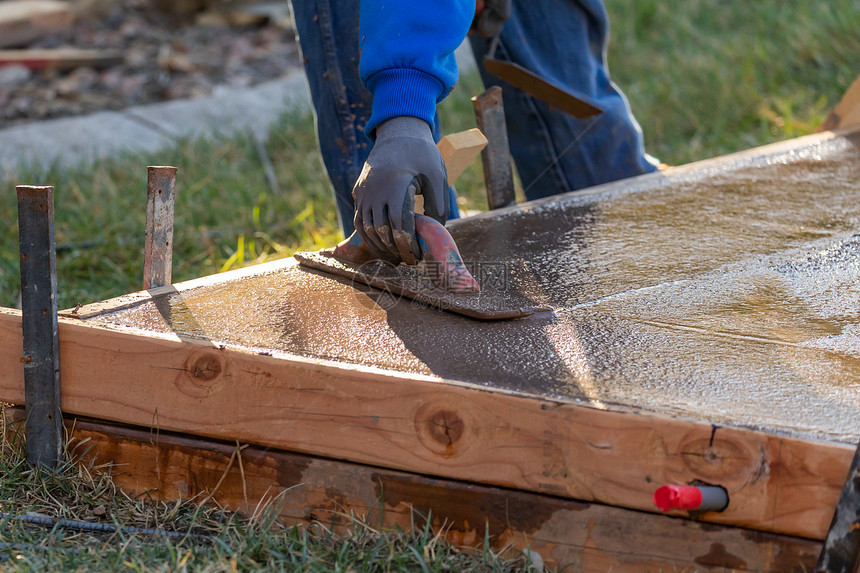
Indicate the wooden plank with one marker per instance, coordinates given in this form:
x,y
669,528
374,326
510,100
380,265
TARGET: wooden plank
x,y
847,111
60,58
458,150
22,21
39,324
591,537
426,425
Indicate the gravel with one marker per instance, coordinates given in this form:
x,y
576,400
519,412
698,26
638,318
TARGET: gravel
x,y
167,56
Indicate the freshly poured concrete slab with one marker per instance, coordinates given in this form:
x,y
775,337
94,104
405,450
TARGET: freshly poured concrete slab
x,y
725,291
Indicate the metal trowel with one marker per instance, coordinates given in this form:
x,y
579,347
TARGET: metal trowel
x,y
555,96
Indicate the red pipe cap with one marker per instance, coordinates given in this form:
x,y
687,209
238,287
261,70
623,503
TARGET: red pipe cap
x,y
669,497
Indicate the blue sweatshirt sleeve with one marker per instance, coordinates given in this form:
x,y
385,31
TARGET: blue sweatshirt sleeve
x,y
407,54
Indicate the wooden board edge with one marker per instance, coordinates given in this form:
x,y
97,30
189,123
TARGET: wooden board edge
x,y
591,537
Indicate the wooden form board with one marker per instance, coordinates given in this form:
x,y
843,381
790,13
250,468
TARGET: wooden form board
x,y
588,537
60,58
23,21
847,112
425,425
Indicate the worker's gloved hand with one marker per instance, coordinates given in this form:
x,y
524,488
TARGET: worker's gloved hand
x,y
490,16
404,161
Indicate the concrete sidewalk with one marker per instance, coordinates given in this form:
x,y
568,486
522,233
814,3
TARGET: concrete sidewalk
x,y
75,141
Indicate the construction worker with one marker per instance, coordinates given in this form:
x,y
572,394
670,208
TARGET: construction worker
x,y
376,79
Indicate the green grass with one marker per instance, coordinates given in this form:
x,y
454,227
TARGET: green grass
x,y
707,78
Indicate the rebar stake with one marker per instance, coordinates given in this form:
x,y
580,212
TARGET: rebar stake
x,y
40,325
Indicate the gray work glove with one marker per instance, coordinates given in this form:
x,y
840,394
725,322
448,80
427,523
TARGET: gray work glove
x,y
404,161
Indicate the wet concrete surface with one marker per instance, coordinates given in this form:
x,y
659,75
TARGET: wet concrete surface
x,y
727,294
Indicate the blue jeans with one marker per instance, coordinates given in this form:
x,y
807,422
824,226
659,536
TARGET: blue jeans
x,y
554,153
564,41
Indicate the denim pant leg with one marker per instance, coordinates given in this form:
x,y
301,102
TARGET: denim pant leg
x,y
565,41
328,38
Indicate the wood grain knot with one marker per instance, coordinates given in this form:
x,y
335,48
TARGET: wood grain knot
x,y
206,368
203,374
722,461
446,427
441,430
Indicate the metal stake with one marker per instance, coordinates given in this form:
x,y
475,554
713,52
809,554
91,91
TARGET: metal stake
x,y
40,326
490,116
158,244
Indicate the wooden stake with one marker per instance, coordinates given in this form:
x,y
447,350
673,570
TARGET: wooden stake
x,y
39,324
490,116
158,246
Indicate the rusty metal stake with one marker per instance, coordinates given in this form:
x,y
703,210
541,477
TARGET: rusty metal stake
x,y
499,177
158,245
40,325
